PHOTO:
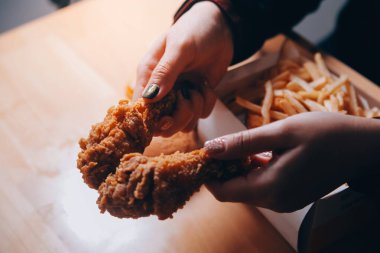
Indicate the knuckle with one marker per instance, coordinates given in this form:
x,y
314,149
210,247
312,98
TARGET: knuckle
x,y
285,126
182,44
288,129
161,70
242,140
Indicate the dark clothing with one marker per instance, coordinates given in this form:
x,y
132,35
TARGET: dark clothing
x,y
252,22
355,41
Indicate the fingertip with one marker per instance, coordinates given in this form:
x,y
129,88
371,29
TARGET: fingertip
x,y
164,75
156,91
151,91
183,118
215,146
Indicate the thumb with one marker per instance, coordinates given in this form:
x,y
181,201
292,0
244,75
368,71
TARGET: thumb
x,y
164,75
244,143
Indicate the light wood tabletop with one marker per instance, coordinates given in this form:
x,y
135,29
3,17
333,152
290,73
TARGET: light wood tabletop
x,y
58,75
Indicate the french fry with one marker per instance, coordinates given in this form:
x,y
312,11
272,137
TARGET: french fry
x,y
312,69
279,84
322,96
284,76
294,86
361,111
332,88
302,83
334,103
288,65
296,96
337,84
340,97
328,105
303,74
314,106
364,103
369,114
303,88
375,112
318,83
129,91
278,93
321,65
276,103
294,102
257,109
287,107
353,102
309,95
281,92
254,120
267,102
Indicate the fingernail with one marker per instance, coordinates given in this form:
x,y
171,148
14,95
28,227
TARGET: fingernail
x,y
151,91
215,146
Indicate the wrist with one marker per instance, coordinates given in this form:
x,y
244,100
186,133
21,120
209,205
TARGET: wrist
x,y
216,15
214,12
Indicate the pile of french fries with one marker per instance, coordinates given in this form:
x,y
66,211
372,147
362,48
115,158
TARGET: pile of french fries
x,y
306,87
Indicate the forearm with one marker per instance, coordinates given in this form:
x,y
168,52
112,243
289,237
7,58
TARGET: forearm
x,y
252,22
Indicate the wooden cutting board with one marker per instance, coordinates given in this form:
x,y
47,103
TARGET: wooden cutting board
x,y
58,75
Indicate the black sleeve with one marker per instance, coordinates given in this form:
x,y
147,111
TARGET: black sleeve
x,y
252,22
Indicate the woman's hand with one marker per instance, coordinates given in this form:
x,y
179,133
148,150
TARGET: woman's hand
x,y
313,153
198,48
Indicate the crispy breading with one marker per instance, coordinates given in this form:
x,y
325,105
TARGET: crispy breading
x,y
161,185
127,128
132,185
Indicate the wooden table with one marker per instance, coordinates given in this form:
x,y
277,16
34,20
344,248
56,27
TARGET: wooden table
x,y
58,75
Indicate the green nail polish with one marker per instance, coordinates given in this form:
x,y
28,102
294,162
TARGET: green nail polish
x,y
151,91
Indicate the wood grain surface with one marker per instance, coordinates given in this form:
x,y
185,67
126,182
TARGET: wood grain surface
x,y
58,75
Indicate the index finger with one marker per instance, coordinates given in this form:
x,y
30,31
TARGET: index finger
x,y
265,138
147,64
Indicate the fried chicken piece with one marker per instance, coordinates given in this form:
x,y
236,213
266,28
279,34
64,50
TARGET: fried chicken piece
x,y
161,185
133,185
127,128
